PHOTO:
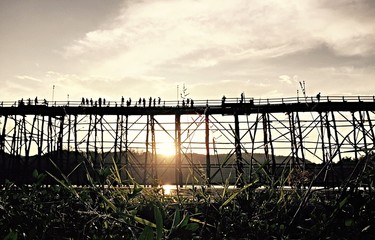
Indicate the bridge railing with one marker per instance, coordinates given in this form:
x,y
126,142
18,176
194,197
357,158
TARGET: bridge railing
x,y
190,102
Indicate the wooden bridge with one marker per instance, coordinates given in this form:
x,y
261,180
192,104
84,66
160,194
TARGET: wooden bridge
x,y
214,140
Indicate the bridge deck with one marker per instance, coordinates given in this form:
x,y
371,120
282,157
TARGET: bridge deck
x,y
228,107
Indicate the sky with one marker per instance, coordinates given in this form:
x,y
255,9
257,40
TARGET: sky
x,y
264,48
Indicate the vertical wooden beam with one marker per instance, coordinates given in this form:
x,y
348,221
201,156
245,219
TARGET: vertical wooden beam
x,y
322,137
27,154
337,143
362,124
14,138
116,138
207,143
355,137
126,148
301,141
60,143
178,150
371,128
49,136
154,172
88,157
95,141
24,137
292,138
237,143
121,140
330,155
2,142
40,145
69,137
75,138
271,145
102,138
146,156
253,137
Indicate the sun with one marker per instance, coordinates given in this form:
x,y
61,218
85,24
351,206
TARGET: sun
x,y
166,148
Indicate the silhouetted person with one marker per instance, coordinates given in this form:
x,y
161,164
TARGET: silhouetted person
x,y
83,101
183,102
91,102
140,101
223,100
149,101
100,102
242,97
36,100
154,102
144,102
159,100
187,101
318,97
192,103
103,101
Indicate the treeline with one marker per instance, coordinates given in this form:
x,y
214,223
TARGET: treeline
x,y
141,167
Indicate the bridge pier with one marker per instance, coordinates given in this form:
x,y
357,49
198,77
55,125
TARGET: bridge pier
x,y
178,172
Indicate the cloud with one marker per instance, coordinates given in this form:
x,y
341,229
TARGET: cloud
x,y
150,35
25,77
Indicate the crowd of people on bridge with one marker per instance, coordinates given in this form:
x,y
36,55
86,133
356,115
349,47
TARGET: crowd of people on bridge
x,y
141,102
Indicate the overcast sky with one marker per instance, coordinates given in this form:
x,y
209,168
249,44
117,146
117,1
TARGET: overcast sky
x,y
95,48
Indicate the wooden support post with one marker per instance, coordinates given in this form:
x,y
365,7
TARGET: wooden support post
x,y
14,138
40,145
126,148
88,157
271,146
252,138
237,143
27,154
102,139
330,154
154,172
116,138
371,129
69,137
2,142
178,150
75,139
355,138
362,124
337,143
329,137
322,137
121,140
49,137
95,142
60,142
2,139
301,141
207,143
24,137
265,140
146,156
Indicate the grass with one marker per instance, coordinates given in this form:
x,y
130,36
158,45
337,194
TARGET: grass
x,y
103,210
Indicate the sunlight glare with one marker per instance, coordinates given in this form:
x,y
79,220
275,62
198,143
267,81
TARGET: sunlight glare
x,y
166,148
167,189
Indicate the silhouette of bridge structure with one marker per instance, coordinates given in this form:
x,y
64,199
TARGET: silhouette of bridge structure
x,y
213,140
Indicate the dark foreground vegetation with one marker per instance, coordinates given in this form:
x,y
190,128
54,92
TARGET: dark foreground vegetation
x,y
106,210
